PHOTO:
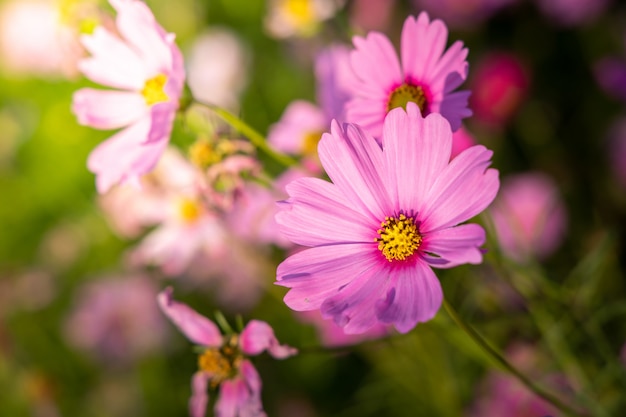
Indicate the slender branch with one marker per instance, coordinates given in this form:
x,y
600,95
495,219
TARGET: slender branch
x,y
494,354
255,137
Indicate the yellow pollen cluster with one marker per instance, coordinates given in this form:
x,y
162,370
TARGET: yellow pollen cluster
x,y
153,92
407,93
309,144
399,238
189,209
202,154
216,364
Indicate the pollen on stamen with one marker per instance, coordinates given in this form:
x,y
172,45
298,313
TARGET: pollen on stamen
x,y
152,90
399,238
406,93
216,364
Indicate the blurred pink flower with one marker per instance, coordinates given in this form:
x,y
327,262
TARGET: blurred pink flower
x,y
462,13
389,215
529,217
302,123
572,12
224,360
499,86
33,41
147,66
371,14
426,75
501,394
333,335
610,74
218,81
116,318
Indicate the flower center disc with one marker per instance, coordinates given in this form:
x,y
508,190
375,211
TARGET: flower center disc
x,y
399,238
189,210
407,93
301,11
153,90
216,364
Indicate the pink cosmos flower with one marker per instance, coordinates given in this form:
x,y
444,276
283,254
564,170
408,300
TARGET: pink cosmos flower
x,y
529,216
146,67
223,361
390,214
426,75
500,85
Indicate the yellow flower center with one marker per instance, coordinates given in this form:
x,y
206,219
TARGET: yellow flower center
x,y
407,93
300,11
222,363
153,90
399,238
189,209
202,154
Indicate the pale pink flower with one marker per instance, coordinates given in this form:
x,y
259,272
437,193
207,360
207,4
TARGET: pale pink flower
x,y
216,68
572,12
371,14
390,214
34,42
462,13
499,87
146,67
426,75
116,318
529,217
224,361
302,123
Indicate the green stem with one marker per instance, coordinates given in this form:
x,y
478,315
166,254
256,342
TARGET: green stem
x,y
495,355
255,137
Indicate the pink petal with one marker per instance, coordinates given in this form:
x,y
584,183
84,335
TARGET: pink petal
x,y
199,396
162,116
252,407
465,188
423,43
335,81
414,296
317,214
353,305
258,336
317,273
137,25
195,327
113,62
124,157
417,150
354,162
375,64
369,113
229,398
108,109
451,70
457,245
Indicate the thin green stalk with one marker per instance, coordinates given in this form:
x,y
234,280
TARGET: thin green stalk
x,y
255,137
495,355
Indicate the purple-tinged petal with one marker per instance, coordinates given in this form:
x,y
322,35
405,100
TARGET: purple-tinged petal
x,y
199,396
417,150
454,108
318,273
258,336
229,399
108,109
456,245
452,62
335,81
317,214
465,188
414,296
353,307
423,43
162,115
354,162
194,326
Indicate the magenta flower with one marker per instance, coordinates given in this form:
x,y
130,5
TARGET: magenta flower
x,y
426,76
223,361
390,214
146,67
